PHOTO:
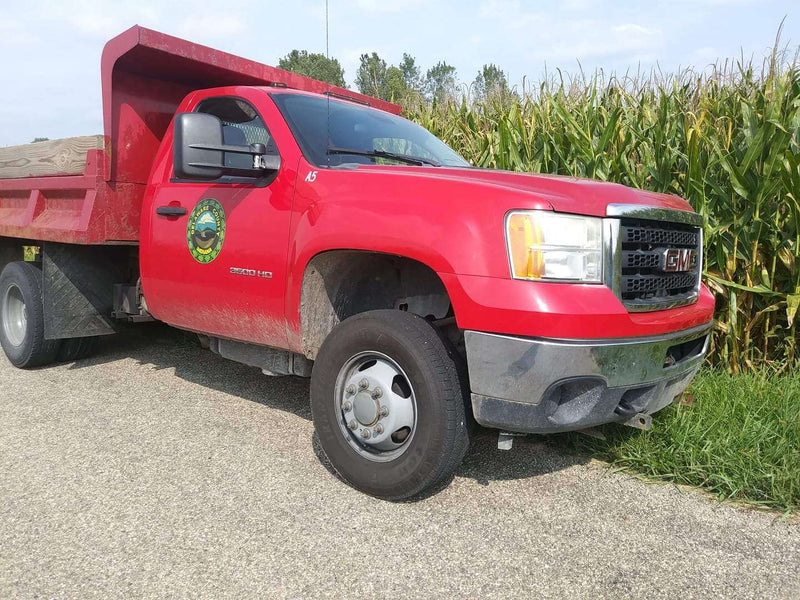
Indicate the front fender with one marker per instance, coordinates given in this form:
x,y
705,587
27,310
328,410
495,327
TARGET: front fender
x,y
443,225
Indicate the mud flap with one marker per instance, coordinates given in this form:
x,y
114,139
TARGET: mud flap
x,y
78,289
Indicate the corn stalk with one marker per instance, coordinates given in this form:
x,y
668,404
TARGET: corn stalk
x,y
727,140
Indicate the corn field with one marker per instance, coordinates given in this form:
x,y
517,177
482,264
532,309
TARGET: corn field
x,y
727,140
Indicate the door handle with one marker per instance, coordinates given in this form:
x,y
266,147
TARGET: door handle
x,y
171,211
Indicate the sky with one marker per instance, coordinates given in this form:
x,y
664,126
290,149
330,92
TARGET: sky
x,y
50,71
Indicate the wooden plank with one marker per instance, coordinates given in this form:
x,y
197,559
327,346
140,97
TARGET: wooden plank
x,y
53,157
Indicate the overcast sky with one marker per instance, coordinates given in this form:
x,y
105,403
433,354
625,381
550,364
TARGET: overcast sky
x,y
51,49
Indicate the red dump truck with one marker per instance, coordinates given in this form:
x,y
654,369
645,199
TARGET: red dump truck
x,y
308,230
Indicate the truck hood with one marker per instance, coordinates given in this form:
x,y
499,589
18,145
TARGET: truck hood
x,y
563,194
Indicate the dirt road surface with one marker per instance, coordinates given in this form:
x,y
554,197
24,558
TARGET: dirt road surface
x,y
157,469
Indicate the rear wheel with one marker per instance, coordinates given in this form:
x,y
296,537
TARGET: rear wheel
x,y
388,404
73,349
22,317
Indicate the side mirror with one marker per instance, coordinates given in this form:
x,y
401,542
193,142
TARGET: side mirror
x,y
199,151
193,162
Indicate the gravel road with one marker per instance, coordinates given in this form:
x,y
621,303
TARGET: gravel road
x,y
157,469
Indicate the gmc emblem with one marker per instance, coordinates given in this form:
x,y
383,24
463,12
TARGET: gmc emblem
x,y
674,260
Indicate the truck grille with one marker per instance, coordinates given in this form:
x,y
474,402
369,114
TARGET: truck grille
x,y
645,282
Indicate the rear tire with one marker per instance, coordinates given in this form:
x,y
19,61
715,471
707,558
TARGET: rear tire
x,y
73,349
401,362
22,317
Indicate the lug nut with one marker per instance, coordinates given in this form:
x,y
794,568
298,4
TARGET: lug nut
x,y
363,384
384,411
352,425
365,434
377,393
347,406
351,389
378,428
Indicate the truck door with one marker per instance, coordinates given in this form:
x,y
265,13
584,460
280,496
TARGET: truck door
x,y
220,266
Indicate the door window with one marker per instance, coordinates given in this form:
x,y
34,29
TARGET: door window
x,y
241,126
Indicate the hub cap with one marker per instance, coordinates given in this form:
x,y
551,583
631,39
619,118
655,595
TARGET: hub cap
x,y
365,409
15,315
376,406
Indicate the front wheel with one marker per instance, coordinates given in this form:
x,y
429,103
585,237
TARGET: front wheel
x,y
388,404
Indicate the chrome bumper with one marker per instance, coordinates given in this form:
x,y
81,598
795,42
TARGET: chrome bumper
x,y
545,385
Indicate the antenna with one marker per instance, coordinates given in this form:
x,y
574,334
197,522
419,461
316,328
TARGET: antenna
x,y
328,56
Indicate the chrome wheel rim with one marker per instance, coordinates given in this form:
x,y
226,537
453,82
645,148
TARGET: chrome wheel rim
x,y
15,315
376,406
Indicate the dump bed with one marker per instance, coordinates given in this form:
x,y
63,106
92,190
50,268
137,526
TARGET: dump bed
x,y
89,190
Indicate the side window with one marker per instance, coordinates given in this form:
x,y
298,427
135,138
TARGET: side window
x,y
241,126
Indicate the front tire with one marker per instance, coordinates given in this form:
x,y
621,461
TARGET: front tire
x,y
388,404
22,317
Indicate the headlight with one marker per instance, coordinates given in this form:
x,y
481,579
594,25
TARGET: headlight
x,y
544,245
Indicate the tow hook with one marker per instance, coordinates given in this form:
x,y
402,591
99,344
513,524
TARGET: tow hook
x,y
640,421
505,439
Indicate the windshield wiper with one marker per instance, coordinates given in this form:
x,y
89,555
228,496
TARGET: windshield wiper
x,y
406,158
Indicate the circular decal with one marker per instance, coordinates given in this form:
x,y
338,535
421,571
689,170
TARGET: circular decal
x,y
206,230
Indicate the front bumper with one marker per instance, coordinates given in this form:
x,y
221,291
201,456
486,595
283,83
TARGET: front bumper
x,y
546,385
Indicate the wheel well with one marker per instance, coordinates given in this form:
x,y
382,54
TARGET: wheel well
x,y
10,251
342,283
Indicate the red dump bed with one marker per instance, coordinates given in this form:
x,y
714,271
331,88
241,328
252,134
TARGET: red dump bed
x,y
145,75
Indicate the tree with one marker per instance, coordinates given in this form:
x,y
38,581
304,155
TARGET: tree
x,y
314,65
399,83
491,82
412,74
40,139
390,83
371,76
440,81
396,88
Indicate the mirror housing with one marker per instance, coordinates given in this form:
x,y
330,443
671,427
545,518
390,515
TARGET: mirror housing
x,y
191,130
198,150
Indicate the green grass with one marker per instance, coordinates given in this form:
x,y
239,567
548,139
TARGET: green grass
x,y
739,439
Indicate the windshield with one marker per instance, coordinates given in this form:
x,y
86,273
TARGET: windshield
x,y
373,135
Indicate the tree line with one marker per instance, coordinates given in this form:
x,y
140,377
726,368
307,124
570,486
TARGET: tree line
x,y
399,83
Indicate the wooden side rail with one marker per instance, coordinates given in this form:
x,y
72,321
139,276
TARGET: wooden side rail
x,y
48,158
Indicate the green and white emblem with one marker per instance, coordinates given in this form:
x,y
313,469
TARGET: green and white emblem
x,y
205,232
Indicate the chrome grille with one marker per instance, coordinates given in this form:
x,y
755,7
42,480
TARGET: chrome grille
x,y
639,238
